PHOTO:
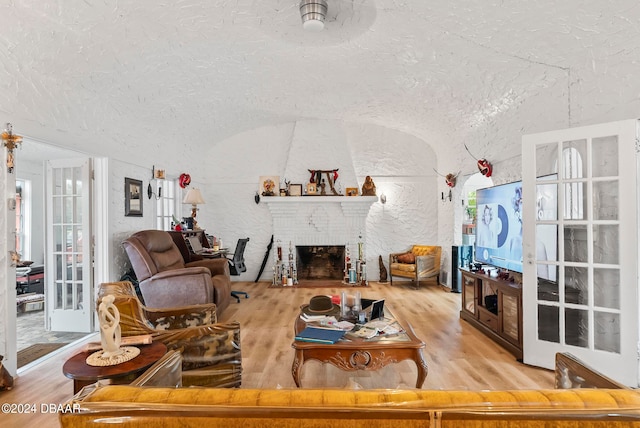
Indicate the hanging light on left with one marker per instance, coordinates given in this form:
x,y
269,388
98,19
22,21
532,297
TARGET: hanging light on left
x,y
10,141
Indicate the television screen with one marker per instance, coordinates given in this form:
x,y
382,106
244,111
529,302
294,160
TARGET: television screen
x,y
499,226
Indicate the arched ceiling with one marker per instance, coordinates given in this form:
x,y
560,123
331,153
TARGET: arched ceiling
x,y
184,73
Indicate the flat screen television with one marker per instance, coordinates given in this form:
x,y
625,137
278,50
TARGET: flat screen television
x,y
499,226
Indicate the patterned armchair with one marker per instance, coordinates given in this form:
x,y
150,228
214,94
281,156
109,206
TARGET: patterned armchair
x,y
210,351
418,262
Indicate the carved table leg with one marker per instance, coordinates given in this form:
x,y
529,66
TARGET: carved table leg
x,y
296,367
422,368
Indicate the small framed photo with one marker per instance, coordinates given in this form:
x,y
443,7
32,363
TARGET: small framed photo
x,y
269,185
132,197
311,188
351,191
295,189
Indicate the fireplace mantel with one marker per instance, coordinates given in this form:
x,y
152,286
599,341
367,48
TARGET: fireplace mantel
x,y
348,204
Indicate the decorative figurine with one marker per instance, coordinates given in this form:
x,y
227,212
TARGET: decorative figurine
x,y
369,187
316,178
110,337
383,270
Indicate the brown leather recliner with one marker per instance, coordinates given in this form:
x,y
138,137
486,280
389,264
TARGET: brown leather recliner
x,y
167,281
220,271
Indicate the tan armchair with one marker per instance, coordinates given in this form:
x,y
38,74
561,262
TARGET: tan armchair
x,y
210,351
418,262
166,280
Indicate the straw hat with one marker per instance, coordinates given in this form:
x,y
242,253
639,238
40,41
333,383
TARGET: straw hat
x,y
321,305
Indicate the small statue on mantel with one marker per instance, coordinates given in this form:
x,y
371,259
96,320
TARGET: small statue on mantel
x,y
369,187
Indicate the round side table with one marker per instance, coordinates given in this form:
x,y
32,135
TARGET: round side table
x,y
76,367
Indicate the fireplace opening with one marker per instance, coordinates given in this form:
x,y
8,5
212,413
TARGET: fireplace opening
x,y
320,261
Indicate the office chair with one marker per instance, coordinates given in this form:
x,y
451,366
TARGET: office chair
x,y
236,266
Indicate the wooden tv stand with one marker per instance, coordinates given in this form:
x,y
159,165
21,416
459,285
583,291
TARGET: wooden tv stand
x,y
500,315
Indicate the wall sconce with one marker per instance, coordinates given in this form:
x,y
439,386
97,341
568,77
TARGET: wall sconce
x,y
156,174
383,198
10,141
447,197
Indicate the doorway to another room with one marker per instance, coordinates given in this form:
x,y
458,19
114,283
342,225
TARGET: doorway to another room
x,y
35,279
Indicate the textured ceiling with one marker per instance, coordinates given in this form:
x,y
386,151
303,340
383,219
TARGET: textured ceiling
x,y
180,73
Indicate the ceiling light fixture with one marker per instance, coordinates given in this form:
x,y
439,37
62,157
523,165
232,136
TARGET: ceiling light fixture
x,y
313,13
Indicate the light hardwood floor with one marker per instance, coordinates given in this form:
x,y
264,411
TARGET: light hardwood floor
x,y
459,356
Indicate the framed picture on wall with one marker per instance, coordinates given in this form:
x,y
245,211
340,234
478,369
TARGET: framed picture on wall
x,y
351,191
295,190
311,188
269,185
132,197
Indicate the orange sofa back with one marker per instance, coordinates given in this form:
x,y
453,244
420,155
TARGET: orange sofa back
x,y
132,406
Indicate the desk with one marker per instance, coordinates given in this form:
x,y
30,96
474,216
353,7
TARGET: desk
x,y
198,233
76,367
214,254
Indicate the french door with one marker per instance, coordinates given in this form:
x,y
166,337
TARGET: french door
x,y
69,245
580,282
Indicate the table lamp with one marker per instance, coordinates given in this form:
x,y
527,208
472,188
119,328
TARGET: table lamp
x,y
193,197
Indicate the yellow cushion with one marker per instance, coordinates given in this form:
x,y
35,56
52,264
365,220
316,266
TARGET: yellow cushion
x,y
404,267
424,250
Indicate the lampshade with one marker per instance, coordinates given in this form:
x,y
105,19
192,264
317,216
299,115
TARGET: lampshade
x,y
193,197
313,13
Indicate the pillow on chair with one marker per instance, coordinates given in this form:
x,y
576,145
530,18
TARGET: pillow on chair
x,y
408,257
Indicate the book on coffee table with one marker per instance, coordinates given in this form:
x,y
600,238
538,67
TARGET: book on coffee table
x,y
319,335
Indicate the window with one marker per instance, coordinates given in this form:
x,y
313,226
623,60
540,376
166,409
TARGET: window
x,y
166,204
470,208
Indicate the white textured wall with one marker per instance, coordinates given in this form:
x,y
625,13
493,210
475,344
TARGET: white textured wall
x,y
120,226
400,164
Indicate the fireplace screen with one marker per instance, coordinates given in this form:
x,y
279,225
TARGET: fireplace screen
x,y
320,262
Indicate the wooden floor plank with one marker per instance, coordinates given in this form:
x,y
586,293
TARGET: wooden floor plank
x,y
459,356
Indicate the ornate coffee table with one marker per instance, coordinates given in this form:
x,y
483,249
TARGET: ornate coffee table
x,y
362,354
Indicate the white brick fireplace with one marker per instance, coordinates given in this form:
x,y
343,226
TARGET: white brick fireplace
x,y
319,220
